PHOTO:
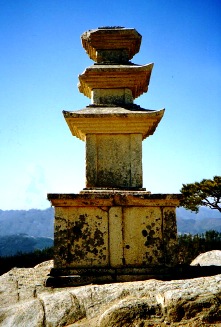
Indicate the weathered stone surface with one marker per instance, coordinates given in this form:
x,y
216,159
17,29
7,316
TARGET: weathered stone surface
x,y
97,120
115,230
210,258
114,160
23,314
133,77
191,302
61,308
131,312
111,44
111,96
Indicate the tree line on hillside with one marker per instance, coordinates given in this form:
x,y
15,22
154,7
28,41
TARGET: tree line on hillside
x,y
23,243
188,248
25,260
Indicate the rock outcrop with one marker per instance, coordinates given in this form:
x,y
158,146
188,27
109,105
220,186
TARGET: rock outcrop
x,y
210,258
25,301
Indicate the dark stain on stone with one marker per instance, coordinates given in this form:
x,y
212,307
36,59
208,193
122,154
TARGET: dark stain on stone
x,y
78,240
95,251
149,234
102,257
62,250
98,235
127,246
144,232
77,231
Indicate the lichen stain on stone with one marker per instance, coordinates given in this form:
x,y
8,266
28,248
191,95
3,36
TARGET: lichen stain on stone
x,y
150,236
86,240
78,241
144,232
77,231
170,236
61,241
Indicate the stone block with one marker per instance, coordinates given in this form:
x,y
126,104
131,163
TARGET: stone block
x,y
112,96
111,44
114,160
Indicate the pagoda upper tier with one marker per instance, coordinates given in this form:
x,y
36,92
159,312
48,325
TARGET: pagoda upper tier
x,y
111,49
111,44
133,77
112,126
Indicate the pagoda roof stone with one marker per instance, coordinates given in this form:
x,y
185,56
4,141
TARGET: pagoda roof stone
x,y
111,44
131,76
113,120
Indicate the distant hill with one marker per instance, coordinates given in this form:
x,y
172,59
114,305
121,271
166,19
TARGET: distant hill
x,y
204,212
34,222
25,230
192,223
198,226
21,243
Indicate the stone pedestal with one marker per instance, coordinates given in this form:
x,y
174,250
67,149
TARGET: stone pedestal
x,y
113,236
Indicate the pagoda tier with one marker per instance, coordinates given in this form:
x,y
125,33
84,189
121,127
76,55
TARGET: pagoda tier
x,y
112,120
133,77
113,138
115,44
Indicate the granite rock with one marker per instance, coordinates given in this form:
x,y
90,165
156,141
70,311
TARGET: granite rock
x,y
210,258
25,301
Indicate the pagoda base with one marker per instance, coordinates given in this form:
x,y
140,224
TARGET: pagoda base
x,y
77,277
67,278
113,236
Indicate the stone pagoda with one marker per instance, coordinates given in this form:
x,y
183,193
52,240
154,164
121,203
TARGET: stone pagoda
x,y
113,230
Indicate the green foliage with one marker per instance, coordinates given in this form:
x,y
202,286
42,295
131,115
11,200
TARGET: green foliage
x,y
25,260
205,193
190,246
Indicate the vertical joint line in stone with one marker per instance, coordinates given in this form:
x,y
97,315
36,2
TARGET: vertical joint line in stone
x,y
123,240
96,181
162,230
108,230
69,237
130,162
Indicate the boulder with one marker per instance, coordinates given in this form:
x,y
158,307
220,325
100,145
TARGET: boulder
x,y
210,258
25,301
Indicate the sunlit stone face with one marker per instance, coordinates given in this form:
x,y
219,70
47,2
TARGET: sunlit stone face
x,y
112,96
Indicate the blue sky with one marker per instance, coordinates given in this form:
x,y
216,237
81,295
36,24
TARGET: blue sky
x,y
40,59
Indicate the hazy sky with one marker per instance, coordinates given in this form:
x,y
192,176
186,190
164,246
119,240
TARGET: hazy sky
x,y
40,59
